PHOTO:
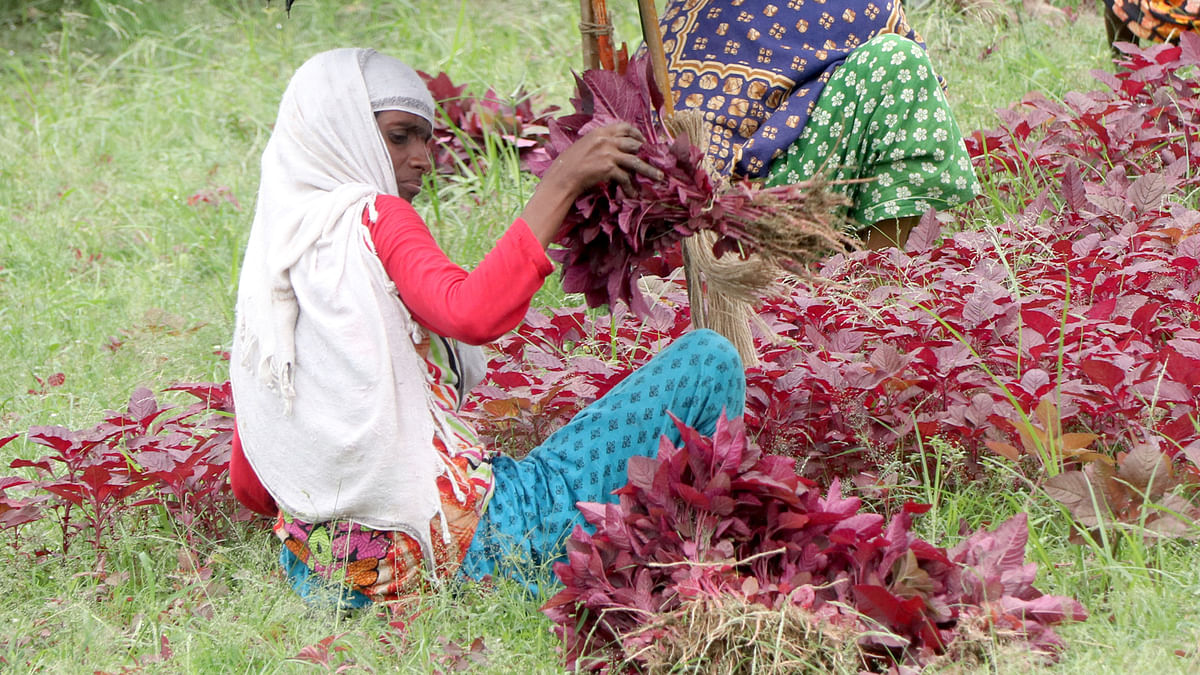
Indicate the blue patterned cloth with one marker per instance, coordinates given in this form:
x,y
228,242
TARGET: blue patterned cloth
x,y
532,511
756,67
315,591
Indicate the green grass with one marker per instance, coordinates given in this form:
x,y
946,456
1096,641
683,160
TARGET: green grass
x,y
113,113
990,63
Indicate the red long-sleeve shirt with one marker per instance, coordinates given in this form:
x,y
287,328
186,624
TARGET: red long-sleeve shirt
x,y
474,307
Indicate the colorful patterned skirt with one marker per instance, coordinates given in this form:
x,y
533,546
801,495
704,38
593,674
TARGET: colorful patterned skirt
x,y
883,117
344,564
1157,20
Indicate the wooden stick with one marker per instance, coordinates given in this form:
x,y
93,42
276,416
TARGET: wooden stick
x,y
587,30
603,35
658,55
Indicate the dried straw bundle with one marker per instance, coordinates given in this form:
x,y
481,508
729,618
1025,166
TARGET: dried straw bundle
x,y
723,291
729,634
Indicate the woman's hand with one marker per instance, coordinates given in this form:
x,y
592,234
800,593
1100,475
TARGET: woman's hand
x,y
608,153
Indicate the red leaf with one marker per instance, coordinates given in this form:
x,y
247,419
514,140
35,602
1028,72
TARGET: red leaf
x,y
925,234
1132,87
1147,192
1182,368
1102,310
1168,54
792,521
1073,189
878,602
1103,373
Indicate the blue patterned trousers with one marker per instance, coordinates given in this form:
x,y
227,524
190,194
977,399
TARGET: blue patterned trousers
x,y
532,510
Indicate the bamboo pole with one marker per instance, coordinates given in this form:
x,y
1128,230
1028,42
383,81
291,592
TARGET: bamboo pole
x,y
658,56
587,30
604,41
652,36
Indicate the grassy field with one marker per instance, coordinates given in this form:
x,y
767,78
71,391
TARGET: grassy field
x,y
114,116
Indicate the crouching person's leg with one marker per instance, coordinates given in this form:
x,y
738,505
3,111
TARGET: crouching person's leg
x,y
696,378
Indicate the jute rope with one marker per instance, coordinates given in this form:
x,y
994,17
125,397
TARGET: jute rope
x,y
590,28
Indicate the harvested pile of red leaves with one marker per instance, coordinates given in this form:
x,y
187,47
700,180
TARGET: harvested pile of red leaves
x,y
716,518
610,236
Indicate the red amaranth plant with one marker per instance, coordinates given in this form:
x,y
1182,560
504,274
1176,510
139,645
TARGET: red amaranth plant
x,y
176,458
966,339
1144,124
1087,298
716,517
460,132
553,366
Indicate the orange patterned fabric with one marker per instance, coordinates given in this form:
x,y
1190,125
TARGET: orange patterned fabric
x,y
1158,20
388,565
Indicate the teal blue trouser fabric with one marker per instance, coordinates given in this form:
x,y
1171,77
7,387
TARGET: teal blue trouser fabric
x,y
314,590
532,511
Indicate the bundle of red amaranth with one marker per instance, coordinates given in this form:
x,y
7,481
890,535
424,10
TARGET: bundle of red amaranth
x,y
610,236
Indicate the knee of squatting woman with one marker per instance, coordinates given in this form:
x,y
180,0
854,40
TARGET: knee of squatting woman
x,y
354,347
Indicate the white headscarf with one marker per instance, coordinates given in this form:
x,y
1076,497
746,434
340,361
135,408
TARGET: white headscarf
x,y
392,85
332,400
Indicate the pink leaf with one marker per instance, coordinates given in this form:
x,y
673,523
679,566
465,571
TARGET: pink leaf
x,y
925,234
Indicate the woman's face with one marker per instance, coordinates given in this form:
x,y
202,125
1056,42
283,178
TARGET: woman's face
x,y
407,139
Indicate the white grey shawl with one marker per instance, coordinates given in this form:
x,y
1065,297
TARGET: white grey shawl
x,y
332,400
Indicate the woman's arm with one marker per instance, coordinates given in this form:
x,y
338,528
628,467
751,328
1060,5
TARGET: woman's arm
x,y
482,305
474,307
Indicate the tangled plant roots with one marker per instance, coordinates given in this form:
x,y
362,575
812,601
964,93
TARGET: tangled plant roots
x,y
727,634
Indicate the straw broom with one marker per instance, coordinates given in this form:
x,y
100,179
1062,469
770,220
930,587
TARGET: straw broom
x,y
733,285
